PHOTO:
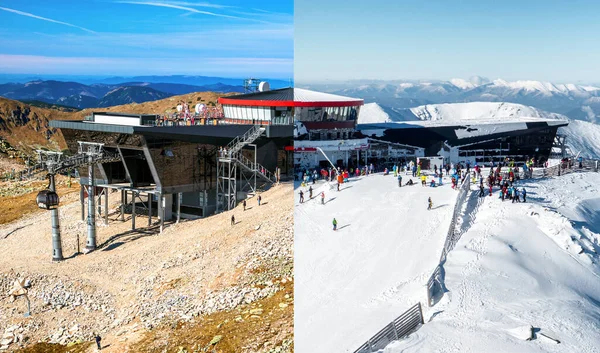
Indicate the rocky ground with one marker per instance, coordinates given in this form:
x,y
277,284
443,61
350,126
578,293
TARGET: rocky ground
x,y
201,285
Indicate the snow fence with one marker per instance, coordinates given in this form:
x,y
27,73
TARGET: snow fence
x,y
435,284
401,327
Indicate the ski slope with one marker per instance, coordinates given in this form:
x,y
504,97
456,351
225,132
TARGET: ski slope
x,y
352,282
534,264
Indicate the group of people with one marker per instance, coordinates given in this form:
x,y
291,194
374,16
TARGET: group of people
x,y
310,195
307,176
244,204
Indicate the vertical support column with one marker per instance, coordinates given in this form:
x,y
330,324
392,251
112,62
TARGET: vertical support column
x,y
162,212
123,192
346,157
106,206
56,240
149,209
91,219
100,203
133,210
179,196
218,184
82,200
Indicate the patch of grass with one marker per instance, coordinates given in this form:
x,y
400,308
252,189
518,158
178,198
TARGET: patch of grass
x,y
17,199
43,347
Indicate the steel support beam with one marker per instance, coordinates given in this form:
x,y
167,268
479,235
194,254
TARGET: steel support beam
x,y
133,210
123,198
162,212
82,200
149,210
179,196
91,219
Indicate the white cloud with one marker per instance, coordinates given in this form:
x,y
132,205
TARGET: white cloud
x,y
44,19
175,5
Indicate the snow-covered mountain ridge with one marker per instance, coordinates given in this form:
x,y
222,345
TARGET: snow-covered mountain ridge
x,y
577,101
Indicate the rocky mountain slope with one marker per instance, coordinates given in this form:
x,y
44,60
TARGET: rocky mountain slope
x,y
25,128
200,285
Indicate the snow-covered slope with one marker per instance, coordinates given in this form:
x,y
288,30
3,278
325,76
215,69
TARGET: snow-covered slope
x,y
377,113
352,282
532,263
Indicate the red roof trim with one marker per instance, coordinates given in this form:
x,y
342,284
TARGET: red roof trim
x,y
269,103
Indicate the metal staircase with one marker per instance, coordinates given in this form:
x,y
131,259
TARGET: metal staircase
x,y
240,142
228,162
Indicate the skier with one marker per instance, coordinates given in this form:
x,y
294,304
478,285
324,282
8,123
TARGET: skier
x,y
301,196
259,199
423,180
338,186
430,203
515,195
323,198
244,205
334,224
481,192
524,193
310,190
399,180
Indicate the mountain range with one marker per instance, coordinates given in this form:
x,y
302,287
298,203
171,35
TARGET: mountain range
x,y
79,95
580,102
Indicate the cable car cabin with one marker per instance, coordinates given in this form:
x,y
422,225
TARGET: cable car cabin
x,y
47,199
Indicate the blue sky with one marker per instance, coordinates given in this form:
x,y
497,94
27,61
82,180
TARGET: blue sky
x,y
413,39
229,38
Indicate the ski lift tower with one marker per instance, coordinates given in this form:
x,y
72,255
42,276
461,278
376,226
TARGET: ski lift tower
x,y
48,199
92,151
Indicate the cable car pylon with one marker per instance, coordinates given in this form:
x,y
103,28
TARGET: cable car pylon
x,y
51,162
